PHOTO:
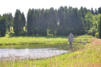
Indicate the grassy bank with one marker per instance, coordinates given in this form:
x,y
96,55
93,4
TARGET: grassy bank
x,y
32,42
39,42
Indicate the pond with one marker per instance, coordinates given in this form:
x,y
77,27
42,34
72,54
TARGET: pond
x,y
38,53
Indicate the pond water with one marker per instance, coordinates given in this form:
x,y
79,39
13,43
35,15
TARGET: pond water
x,y
29,53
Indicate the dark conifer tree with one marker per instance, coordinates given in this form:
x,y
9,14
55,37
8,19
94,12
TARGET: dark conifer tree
x,y
9,21
2,26
99,28
19,23
99,10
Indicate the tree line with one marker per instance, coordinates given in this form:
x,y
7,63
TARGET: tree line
x,y
43,22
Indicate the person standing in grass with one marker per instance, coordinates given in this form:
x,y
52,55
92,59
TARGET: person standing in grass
x,y
70,39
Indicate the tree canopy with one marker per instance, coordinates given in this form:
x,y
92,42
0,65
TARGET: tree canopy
x,y
62,21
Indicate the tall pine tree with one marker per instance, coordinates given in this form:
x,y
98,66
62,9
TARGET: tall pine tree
x,y
19,23
99,28
2,26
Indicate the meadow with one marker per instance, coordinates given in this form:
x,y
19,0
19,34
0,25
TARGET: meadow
x,y
83,54
32,42
41,42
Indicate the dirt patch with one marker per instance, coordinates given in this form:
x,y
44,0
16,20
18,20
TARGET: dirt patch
x,y
94,65
95,41
87,65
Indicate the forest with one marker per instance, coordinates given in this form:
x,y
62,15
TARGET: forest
x,y
54,22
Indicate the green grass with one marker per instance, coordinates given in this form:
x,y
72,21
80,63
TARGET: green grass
x,y
82,57
32,42
39,42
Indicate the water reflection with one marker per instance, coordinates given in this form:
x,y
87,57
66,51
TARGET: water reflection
x,y
30,53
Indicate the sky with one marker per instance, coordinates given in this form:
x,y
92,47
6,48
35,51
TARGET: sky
x,y
10,6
